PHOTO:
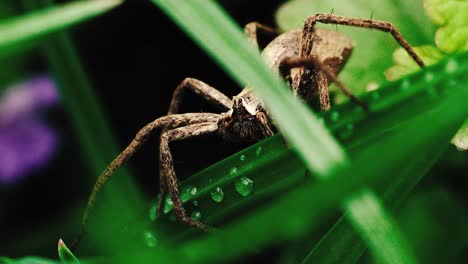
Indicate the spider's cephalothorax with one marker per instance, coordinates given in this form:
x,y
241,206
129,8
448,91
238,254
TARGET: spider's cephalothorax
x,y
246,121
308,59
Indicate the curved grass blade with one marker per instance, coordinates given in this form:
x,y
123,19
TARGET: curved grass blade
x,y
19,30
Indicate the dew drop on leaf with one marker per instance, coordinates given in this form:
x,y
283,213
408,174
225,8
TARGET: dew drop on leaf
x,y
244,186
217,195
242,157
405,85
152,211
168,205
150,239
347,131
233,171
188,193
196,216
258,151
334,116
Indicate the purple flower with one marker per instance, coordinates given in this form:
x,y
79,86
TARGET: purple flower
x,y
26,143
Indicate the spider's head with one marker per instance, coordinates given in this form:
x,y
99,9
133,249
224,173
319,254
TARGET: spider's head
x,y
246,121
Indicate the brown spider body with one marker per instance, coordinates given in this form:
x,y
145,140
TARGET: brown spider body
x,y
308,59
247,120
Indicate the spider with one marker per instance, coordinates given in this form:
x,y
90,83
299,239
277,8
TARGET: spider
x,y
308,59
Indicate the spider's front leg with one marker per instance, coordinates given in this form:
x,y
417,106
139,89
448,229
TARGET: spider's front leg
x,y
171,121
167,165
209,94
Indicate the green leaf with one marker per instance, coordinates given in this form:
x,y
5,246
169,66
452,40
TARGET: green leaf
x,y
372,51
452,17
460,140
452,36
65,255
17,31
404,65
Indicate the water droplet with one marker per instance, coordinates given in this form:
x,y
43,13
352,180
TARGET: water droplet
x,y
168,205
196,216
217,195
428,77
188,193
242,157
244,186
233,171
258,151
347,131
405,85
195,203
451,66
334,116
150,239
152,211
375,95
431,92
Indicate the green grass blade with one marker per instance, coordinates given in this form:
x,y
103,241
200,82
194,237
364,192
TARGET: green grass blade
x,y
92,128
18,30
65,255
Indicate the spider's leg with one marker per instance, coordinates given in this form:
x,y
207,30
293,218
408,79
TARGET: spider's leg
x,y
170,121
309,38
314,63
259,35
208,93
309,31
167,165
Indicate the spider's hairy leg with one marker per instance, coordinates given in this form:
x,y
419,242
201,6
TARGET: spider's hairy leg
x,y
207,92
167,165
309,37
314,63
170,121
309,31
259,35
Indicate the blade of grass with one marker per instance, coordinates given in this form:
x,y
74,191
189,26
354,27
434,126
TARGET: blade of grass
x,y
19,30
89,122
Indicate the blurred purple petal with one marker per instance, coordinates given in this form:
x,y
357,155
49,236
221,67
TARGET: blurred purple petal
x,y
24,146
25,142
26,98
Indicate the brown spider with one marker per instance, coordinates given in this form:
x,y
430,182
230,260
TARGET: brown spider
x,y
308,59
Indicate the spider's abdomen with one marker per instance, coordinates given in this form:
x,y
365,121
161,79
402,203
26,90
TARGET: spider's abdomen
x,y
331,47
